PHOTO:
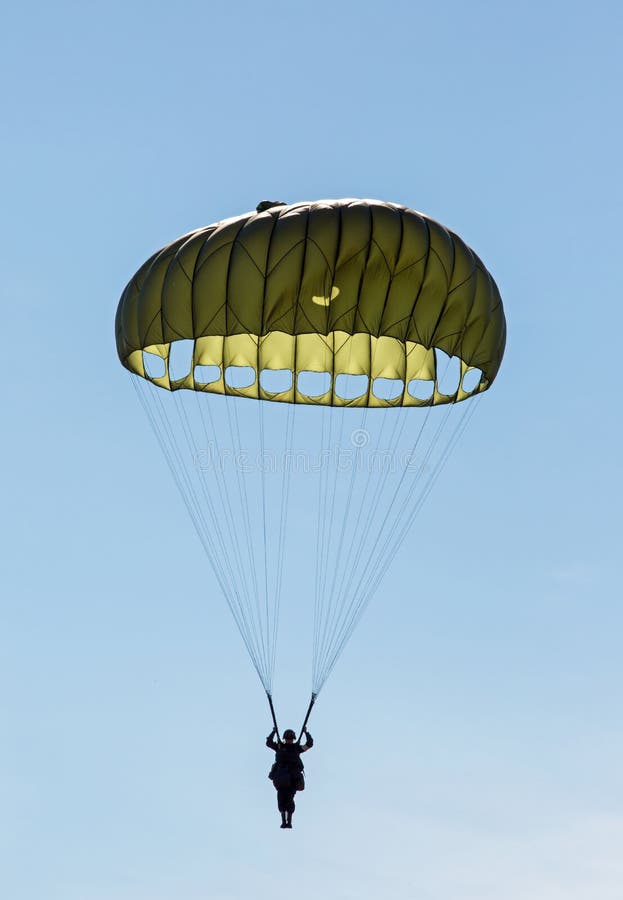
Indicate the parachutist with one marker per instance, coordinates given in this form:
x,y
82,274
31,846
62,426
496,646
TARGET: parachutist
x,y
287,771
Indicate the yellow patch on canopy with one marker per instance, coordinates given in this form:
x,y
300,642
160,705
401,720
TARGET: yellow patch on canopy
x,y
325,301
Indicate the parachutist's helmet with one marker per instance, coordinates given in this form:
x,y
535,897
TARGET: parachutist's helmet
x,y
289,735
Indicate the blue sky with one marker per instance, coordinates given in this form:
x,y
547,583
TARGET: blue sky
x,y
469,741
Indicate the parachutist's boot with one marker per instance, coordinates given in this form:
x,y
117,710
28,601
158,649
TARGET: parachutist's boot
x,y
284,823
289,821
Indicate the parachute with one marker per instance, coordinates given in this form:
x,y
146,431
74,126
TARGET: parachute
x,y
355,327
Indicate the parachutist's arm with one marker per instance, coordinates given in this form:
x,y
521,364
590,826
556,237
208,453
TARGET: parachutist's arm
x,y
270,743
309,742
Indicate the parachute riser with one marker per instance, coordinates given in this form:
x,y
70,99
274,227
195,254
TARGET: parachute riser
x,y
307,715
272,712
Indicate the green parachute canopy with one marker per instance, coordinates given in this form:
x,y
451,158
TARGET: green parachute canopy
x,y
344,287
339,303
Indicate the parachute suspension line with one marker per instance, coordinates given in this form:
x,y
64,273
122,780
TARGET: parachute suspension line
x,y
251,643
457,433
161,434
378,573
328,519
194,455
364,519
283,518
351,486
254,611
378,561
334,612
228,514
170,447
262,463
219,478
322,601
193,451
261,652
166,440
319,534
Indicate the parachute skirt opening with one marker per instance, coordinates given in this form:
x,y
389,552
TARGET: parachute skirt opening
x,y
333,370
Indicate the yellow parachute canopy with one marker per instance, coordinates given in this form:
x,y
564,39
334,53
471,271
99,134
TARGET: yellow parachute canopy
x,y
356,287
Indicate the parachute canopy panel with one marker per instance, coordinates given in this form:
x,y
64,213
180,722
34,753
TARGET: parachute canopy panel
x,y
344,287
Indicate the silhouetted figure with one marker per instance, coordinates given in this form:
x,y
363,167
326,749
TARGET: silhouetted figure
x,y
287,771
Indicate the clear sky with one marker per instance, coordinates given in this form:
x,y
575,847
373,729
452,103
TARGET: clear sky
x,y
469,742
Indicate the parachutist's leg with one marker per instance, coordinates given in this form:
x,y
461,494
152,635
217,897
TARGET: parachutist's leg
x,y
282,805
289,810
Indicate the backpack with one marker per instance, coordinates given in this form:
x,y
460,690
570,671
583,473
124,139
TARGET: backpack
x,y
285,779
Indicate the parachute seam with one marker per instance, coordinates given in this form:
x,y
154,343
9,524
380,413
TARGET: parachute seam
x,y
264,282
363,274
297,306
470,277
444,305
419,290
244,249
328,319
391,278
410,265
380,249
205,331
149,325
176,262
226,245
287,253
297,302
